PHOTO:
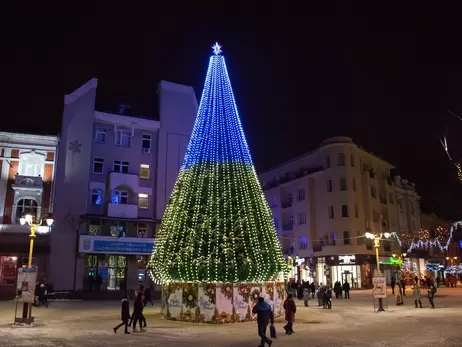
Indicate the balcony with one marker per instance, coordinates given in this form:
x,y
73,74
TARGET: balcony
x,y
28,183
122,211
118,179
286,204
287,227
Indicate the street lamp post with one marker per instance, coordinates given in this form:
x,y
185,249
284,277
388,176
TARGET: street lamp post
x,y
377,238
27,307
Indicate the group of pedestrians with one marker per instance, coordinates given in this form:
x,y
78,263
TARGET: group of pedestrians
x,y
143,296
417,287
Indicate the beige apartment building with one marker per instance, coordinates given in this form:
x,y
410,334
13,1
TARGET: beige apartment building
x,y
324,202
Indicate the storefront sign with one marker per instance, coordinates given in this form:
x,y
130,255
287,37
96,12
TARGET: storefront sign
x,y
347,259
390,261
25,289
114,245
379,290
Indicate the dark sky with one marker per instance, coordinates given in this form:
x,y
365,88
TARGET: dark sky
x,y
384,76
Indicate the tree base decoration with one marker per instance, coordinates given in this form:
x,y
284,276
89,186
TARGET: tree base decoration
x,y
219,303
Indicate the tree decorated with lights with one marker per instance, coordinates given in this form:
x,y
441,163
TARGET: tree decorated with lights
x,y
217,226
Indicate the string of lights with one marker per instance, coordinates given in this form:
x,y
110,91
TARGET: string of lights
x,y
217,226
436,242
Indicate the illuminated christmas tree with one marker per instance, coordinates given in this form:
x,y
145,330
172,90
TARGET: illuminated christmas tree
x,y
217,226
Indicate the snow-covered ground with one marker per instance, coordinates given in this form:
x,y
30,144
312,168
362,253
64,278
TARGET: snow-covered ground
x,y
349,323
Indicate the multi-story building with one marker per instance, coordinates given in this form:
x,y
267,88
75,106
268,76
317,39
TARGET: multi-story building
x,y
27,169
324,202
115,173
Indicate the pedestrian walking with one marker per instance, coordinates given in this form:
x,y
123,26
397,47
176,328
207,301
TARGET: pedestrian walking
x,y
264,317
346,289
148,296
306,296
416,294
313,289
393,284
124,314
431,295
138,316
290,308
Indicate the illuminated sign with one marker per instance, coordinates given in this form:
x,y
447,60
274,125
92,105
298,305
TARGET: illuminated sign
x,y
346,259
390,261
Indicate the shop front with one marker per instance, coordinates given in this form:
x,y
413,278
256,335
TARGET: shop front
x,y
114,264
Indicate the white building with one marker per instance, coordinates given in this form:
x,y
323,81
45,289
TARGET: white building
x,y
323,203
115,173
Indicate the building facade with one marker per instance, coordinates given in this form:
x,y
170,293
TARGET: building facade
x,y
325,201
27,169
115,173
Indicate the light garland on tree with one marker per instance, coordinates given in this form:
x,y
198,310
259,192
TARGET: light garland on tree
x,y
217,226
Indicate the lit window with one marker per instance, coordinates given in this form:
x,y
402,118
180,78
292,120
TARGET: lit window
x,y
146,142
100,135
143,201
26,206
119,197
142,230
121,166
98,164
123,138
96,197
144,171
31,164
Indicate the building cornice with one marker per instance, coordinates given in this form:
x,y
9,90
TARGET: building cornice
x,y
126,121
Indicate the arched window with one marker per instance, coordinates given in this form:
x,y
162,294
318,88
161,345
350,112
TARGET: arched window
x,y
26,206
96,197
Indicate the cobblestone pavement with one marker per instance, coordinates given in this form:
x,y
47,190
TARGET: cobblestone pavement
x,y
349,323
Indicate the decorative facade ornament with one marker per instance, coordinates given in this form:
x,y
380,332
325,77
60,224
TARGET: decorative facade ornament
x,y
75,147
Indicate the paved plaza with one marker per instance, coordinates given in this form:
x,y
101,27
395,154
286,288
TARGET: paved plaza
x,y
349,323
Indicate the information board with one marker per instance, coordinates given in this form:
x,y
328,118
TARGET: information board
x,y
25,287
380,287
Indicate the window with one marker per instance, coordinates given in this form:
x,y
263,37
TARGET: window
x,y
341,159
352,158
142,230
123,138
373,192
146,142
301,218
31,164
98,164
118,229
412,208
301,194
356,211
346,238
390,198
26,206
303,243
291,220
327,161
143,201
331,212
345,211
289,199
144,171
360,240
343,184
96,197
121,166
119,197
354,184
276,223
329,185
100,135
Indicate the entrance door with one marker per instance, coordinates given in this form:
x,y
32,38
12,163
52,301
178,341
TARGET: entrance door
x,y
347,277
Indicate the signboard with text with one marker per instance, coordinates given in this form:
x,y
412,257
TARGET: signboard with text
x,y
25,287
114,245
379,290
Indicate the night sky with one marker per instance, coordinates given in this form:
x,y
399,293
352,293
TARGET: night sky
x,y
384,76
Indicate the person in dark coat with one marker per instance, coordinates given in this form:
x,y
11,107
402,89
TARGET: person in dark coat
x,y
138,313
264,317
148,296
290,308
124,315
346,289
313,289
393,284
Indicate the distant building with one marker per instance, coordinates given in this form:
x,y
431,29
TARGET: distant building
x,y
115,174
27,170
324,202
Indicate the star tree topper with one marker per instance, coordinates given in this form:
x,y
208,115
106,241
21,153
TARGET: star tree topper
x,y
216,48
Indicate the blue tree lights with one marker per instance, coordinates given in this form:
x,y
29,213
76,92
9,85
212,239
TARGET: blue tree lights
x,y
217,226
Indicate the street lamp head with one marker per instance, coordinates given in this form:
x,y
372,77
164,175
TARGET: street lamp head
x,y
447,258
369,235
455,258
394,255
387,235
22,220
29,218
50,221
404,254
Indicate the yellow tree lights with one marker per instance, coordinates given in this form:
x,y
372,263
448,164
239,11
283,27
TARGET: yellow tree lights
x,y
217,226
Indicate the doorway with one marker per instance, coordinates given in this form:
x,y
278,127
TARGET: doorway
x,y
347,276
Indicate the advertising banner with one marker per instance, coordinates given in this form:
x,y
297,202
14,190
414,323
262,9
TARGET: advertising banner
x,y
25,290
379,290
